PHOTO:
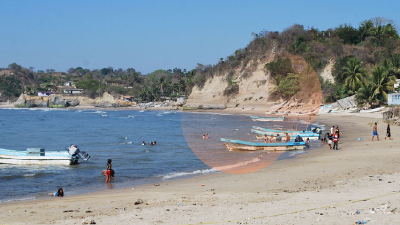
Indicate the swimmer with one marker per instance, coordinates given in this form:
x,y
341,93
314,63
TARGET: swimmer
x,y
59,193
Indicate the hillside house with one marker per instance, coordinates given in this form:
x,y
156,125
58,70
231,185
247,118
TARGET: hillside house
x,y
73,91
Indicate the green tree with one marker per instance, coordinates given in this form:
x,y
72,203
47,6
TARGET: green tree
x,y
87,84
354,74
278,79
392,65
299,45
289,86
14,67
383,82
162,82
281,66
366,94
182,85
105,71
349,34
365,29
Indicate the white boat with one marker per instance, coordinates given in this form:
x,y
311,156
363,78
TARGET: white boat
x,y
266,119
372,110
281,131
41,157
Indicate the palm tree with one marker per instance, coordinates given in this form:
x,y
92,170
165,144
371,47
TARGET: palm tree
x,y
366,94
277,80
182,85
390,32
175,88
383,82
145,94
365,29
354,74
377,32
392,65
162,83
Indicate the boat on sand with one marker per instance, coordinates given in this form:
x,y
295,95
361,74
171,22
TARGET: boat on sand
x,y
256,146
261,134
266,119
281,131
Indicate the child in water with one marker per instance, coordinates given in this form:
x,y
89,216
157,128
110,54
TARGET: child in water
x,y
59,193
108,172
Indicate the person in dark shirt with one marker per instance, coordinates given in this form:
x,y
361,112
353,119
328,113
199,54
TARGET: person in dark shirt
x,y
388,134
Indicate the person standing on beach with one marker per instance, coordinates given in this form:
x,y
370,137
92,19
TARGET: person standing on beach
x,y
336,140
330,137
375,132
332,129
287,137
339,133
323,139
388,134
108,172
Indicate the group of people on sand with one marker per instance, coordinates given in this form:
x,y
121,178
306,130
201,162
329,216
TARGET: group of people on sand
x,y
151,143
332,138
375,132
205,136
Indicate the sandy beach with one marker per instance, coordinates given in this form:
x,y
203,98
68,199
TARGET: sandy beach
x,y
321,187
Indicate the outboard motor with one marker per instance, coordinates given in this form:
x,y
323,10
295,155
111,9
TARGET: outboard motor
x,y
74,151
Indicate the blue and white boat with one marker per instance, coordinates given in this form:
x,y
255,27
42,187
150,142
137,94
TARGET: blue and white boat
x,y
261,134
256,146
281,131
255,118
41,157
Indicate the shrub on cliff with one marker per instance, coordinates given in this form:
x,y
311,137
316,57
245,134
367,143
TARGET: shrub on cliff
x,y
281,66
231,89
289,85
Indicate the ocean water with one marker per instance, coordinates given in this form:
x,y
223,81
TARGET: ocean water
x,y
117,135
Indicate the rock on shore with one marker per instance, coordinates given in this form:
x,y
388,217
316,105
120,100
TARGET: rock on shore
x,y
61,101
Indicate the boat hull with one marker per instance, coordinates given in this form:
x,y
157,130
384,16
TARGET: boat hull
x,y
50,158
280,132
266,119
233,145
260,135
